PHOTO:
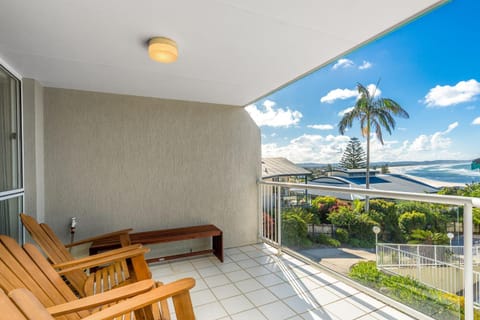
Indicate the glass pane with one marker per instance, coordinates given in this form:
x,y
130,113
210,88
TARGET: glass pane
x,y
9,222
10,156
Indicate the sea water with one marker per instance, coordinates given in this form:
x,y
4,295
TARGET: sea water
x,y
454,172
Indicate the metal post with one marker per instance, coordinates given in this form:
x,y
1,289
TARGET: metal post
x,y
279,219
468,260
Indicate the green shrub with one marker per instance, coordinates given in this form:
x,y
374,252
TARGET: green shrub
x,y
294,227
341,235
419,236
411,220
324,239
361,243
408,291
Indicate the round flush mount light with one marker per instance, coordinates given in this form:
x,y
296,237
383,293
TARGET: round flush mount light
x,y
162,49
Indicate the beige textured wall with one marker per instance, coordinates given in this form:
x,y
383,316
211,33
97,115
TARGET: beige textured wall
x,y
118,161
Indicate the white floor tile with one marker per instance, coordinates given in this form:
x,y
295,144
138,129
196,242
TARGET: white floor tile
x,y
277,311
209,271
238,275
344,310
248,249
323,296
226,291
210,311
269,280
247,263
261,297
215,281
239,257
252,314
228,267
257,271
364,302
388,313
248,285
301,304
202,297
283,290
236,304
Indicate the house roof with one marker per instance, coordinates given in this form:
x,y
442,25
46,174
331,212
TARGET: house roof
x,y
385,182
230,51
274,167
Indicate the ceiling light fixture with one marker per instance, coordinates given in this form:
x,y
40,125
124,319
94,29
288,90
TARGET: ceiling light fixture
x,y
162,49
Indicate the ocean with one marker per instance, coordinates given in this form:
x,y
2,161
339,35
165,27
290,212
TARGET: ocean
x,y
454,172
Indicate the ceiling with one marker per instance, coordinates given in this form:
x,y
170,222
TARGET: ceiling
x,y
230,51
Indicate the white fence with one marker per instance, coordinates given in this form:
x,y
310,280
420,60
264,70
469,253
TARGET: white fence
x,y
270,208
439,267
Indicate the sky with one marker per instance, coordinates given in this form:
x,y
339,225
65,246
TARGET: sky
x,y
430,66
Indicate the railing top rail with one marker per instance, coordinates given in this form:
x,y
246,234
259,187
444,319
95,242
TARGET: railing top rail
x,y
386,244
443,199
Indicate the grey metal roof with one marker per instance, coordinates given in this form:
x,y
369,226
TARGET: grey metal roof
x,y
274,167
386,182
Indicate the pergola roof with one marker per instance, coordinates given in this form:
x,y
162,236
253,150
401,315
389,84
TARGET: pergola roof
x,y
275,167
231,51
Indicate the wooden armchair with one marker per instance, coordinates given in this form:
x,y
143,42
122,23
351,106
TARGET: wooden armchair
x,y
28,268
23,305
59,255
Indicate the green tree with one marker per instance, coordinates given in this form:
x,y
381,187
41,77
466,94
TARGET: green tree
x,y
353,156
373,114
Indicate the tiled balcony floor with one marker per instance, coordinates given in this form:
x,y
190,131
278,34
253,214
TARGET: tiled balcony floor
x,y
254,284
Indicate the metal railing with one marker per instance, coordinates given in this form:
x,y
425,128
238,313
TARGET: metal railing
x,y
439,267
271,204
438,253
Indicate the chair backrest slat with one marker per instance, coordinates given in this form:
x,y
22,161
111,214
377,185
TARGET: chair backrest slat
x,y
33,273
8,310
54,249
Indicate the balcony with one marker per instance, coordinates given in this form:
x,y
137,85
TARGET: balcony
x,y
99,132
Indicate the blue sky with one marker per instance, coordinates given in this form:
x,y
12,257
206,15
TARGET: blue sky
x,y
431,67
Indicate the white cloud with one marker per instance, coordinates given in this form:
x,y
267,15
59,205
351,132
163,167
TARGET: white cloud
x,y
342,94
337,94
445,96
321,126
309,148
343,63
476,121
270,116
344,111
329,149
433,142
365,65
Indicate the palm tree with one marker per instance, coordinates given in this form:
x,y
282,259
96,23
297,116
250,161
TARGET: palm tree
x,y
373,114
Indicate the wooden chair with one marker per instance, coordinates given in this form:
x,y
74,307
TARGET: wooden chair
x,y
28,268
23,305
59,254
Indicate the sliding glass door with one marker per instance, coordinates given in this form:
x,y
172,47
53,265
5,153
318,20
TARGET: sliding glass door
x,y
11,163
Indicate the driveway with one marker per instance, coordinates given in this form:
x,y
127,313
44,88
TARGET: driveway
x,y
339,259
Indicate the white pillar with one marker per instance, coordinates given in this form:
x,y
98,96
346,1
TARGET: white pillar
x,y
468,260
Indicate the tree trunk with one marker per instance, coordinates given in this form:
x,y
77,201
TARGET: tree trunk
x,y
367,175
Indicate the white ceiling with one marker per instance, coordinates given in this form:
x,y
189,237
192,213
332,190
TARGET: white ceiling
x,y
230,51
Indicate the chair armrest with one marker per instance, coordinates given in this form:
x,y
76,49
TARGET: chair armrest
x,y
101,259
99,237
178,290
104,298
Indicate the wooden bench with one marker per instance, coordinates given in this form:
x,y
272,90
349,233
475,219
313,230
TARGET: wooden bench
x,y
169,235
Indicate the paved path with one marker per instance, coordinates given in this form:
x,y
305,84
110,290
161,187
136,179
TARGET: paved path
x,y
339,259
